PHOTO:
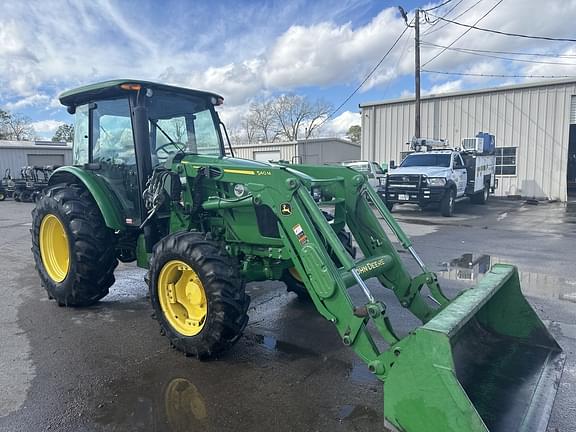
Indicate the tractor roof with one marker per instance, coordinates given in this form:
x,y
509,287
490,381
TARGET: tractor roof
x,y
112,89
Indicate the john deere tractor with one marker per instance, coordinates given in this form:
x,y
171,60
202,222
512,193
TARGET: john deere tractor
x,y
154,182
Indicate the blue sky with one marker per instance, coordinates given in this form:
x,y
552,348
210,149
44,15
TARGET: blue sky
x,y
250,50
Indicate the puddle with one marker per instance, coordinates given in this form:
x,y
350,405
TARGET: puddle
x,y
353,412
360,374
177,406
271,343
472,267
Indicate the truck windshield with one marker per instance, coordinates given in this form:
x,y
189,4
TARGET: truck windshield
x,y
363,167
423,159
182,123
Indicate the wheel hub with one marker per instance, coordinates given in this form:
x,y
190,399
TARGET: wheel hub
x,y
182,298
54,248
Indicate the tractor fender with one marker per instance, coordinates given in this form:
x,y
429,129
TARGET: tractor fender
x,y
109,206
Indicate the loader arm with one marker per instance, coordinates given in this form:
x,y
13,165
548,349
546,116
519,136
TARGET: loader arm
x,y
432,379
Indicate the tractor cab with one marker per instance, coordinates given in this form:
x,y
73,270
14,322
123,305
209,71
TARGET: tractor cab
x,y
124,129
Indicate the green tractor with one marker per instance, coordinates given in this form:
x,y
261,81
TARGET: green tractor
x,y
154,182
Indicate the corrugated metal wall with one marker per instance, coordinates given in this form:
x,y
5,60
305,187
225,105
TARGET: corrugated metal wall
x,y
312,151
328,150
534,119
288,151
14,154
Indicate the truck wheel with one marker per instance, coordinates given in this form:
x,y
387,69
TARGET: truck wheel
x,y
2,196
447,203
197,294
481,197
389,206
72,247
292,278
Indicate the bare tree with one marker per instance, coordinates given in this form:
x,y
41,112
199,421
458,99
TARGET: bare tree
x,y
298,117
262,123
16,127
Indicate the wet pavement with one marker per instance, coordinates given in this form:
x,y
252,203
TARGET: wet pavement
x,y
107,368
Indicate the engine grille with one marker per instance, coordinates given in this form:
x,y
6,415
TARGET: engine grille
x,y
404,181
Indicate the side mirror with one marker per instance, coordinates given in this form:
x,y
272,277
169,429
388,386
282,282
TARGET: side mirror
x,y
384,167
392,164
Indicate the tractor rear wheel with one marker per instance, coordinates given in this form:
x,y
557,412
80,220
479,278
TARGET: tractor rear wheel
x,y
197,294
292,278
72,247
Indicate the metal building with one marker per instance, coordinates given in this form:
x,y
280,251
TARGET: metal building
x,y
17,154
310,151
534,125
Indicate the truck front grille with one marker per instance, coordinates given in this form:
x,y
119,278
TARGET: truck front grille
x,y
406,181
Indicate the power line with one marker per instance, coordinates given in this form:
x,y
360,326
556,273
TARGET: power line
x,y
436,7
366,78
434,30
465,51
463,34
496,75
520,35
504,52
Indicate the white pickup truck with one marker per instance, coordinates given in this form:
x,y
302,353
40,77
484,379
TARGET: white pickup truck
x,y
440,177
373,171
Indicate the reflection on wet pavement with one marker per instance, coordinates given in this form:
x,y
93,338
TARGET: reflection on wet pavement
x,y
471,267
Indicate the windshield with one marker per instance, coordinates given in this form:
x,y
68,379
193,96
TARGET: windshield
x,y
182,123
423,159
363,167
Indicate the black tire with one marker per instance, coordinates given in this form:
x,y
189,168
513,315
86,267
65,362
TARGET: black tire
x,y
481,197
2,196
389,206
92,258
227,301
16,197
295,285
447,203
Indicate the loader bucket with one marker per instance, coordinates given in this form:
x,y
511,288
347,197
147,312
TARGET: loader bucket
x,y
484,363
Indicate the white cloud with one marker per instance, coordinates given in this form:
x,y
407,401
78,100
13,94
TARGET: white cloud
x,y
245,52
339,125
447,87
46,128
33,100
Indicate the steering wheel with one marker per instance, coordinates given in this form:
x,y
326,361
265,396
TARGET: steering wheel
x,y
178,145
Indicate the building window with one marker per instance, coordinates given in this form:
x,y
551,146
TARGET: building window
x,y
506,161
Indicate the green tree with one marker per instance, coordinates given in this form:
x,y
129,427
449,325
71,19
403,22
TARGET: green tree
x,y
354,133
64,133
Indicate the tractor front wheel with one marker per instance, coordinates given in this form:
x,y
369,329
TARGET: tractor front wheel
x,y
197,294
72,247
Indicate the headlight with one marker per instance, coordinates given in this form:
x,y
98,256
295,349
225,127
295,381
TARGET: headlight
x,y
436,181
382,181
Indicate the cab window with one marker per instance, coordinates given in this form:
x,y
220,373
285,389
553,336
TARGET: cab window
x,y
81,153
457,164
112,133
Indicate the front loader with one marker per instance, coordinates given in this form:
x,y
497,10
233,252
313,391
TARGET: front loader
x,y
152,183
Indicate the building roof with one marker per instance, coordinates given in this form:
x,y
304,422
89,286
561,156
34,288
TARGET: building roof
x,y
110,89
300,141
44,145
472,92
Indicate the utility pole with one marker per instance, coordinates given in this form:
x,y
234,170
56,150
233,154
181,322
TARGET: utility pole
x,y
417,74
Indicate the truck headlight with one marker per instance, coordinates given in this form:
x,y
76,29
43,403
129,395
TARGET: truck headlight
x,y
436,181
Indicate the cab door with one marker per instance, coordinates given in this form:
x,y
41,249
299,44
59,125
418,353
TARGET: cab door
x,y
459,170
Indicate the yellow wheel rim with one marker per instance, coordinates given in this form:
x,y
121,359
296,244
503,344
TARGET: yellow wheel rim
x,y
54,248
295,274
182,298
